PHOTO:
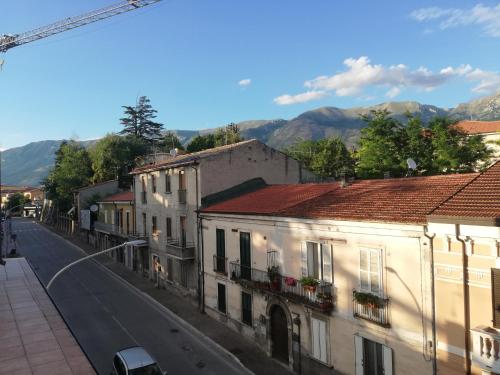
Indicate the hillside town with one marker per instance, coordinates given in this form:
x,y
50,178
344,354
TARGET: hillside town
x,y
223,187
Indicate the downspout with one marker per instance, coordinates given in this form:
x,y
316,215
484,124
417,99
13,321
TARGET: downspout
x,y
198,247
465,278
433,300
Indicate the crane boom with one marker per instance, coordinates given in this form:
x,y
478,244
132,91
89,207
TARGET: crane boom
x,y
9,41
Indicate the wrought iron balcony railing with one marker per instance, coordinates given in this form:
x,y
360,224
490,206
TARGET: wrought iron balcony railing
x,y
180,249
317,294
182,194
375,309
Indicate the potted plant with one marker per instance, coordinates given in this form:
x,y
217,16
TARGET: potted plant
x,y
369,300
290,281
309,283
325,301
274,277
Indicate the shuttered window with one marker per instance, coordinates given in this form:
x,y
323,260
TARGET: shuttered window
x,y
319,338
153,183
370,270
317,261
495,289
221,297
246,308
154,225
372,358
169,227
168,183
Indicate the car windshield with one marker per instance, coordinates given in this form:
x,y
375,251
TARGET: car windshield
x,y
153,369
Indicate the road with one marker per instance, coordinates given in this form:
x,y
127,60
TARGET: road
x,y
106,314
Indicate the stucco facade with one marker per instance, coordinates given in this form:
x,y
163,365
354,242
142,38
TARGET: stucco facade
x,y
330,341
174,189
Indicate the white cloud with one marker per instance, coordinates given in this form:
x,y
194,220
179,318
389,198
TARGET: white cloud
x,y
300,98
245,82
361,74
488,18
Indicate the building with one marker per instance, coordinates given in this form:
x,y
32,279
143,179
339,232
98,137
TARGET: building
x,y
466,249
34,194
168,194
87,194
331,278
489,130
114,225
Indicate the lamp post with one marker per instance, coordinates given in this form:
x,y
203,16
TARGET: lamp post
x,y
133,243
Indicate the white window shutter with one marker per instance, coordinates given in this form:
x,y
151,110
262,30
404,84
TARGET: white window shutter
x,y
364,269
326,251
387,360
316,345
358,345
322,340
303,259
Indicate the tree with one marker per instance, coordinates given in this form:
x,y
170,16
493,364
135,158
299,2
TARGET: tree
x,y
381,146
138,120
72,170
171,141
201,142
228,135
113,157
15,201
327,157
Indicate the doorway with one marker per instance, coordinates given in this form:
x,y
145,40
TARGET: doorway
x,y
279,334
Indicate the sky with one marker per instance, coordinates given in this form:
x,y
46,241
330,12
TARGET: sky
x,y
208,63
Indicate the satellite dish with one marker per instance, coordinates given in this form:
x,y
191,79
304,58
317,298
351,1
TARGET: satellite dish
x,y
94,208
411,163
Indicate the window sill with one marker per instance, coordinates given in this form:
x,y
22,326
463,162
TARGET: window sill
x,y
168,192
319,361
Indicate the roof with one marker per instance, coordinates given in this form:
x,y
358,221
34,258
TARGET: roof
x,y
403,200
126,196
479,127
96,185
478,200
136,357
186,159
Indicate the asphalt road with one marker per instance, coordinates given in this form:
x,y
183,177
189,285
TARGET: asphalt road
x,y
106,314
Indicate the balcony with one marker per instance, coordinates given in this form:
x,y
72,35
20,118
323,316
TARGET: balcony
x,y
486,348
372,308
182,195
179,249
109,228
144,199
220,265
316,294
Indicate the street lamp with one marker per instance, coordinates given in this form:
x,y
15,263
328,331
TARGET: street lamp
x,y
132,243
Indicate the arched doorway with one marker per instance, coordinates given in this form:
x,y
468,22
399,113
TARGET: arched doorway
x,y
279,334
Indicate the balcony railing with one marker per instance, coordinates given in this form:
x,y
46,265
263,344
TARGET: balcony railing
x,y
376,311
317,296
486,348
220,265
182,195
180,249
109,228
144,199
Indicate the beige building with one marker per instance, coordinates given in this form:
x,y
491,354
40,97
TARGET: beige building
x,y
466,231
328,278
489,130
169,192
35,195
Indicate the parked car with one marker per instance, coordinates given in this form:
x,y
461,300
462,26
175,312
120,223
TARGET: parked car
x,y
135,361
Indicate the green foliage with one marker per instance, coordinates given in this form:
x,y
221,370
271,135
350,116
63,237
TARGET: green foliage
x,y
171,141
138,120
309,281
386,144
327,157
113,156
15,200
223,136
368,299
72,170
93,199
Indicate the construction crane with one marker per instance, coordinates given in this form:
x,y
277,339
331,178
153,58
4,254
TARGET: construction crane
x,y
8,41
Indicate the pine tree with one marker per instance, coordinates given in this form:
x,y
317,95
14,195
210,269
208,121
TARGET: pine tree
x,y
138,120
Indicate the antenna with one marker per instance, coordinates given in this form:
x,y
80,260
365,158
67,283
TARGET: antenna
x,y
411,164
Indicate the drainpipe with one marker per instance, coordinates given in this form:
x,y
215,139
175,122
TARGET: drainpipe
x,y
202,308
433,302
199,248
465,278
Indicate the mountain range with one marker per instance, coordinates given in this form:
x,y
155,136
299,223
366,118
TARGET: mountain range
x,y
29,164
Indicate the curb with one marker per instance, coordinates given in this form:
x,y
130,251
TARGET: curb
x,y
153,301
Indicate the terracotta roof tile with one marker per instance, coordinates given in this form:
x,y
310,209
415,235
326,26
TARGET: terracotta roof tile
x,y
479,199
479,127
404,200
125,196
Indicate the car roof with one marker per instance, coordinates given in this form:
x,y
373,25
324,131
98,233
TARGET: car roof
x,y
136,357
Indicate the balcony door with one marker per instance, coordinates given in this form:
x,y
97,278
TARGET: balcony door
x,y
182,221
245,258
372,358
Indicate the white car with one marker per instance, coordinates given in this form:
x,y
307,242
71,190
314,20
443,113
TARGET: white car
x,y
135,361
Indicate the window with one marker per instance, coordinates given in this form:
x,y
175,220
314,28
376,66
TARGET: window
x,y
370,271
221,297
182,180
372,358
319,335
169,227
246,308
144,224
220,262
154,229
317,261
143,183
168,182
153,183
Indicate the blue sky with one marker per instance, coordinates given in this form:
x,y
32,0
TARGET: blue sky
x,y
208,63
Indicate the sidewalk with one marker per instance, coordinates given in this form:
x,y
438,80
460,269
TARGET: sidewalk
x,y
33,337
250,355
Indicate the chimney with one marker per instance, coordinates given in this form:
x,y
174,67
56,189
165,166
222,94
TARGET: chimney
x,y
343,180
